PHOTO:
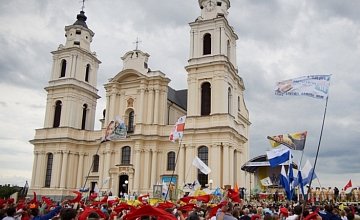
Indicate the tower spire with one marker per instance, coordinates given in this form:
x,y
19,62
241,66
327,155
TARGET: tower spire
x,y
83,5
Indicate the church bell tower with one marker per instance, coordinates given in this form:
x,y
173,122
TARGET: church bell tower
x,y
72,93
217,117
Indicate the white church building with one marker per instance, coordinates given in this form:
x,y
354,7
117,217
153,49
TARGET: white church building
x,y
69,154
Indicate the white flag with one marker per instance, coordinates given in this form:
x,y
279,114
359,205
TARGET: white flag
x,y
96,189
201,165
315,86
266,181
178,129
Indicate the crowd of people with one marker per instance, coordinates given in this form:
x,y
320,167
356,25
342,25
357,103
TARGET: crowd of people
x,y
228,206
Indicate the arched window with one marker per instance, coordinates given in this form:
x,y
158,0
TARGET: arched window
x,y
229,101
49,165
87,73
57,115
203,155
171,160
238,103
125,155
205,98
207,44
130,127
95,167
63,68
84,113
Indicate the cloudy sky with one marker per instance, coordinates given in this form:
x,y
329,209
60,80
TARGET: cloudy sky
x,y
278,40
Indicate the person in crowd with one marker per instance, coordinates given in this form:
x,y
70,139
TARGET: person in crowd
x,y
296,213
336,194
225,213
328,214
68,214
10,212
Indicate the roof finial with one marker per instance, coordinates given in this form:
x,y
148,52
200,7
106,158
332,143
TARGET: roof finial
x,y
83,5
137,43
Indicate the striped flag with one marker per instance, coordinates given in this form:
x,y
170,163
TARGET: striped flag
x,y
278,155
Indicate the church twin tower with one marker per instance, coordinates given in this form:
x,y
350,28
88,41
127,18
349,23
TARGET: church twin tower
x,y
68,153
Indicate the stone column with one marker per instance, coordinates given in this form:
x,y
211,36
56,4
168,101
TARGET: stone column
x,y
137,169
147,172
107,168
190,154
101,169
139,111
156,107
80,176
56,169
64,170
215,165
107,118
153,167
150,109
41,168
34,170
112,106
180,166
226,165
231,166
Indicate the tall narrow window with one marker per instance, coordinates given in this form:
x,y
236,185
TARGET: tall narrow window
x,y
125,155
203,155
130,128
57,115
84,113
171,161
63,68
95,167
87,73
205,98
49,165
207,44
238,103
229,101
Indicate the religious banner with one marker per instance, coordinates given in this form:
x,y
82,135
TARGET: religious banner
x,y
115,130
295,141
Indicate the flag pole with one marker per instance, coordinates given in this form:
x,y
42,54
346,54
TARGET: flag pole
x,y
172,175
317,152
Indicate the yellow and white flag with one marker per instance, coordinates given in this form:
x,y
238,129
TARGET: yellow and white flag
x,y
266,181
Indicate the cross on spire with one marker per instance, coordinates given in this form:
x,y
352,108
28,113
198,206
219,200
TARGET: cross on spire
x,y
83,5
137,43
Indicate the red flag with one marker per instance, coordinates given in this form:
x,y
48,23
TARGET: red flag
x,y
204,198
47,200
77,198
187,199
148,210
234,196
348,185
187,207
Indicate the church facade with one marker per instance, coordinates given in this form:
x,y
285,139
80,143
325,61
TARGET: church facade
x,y
69,153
